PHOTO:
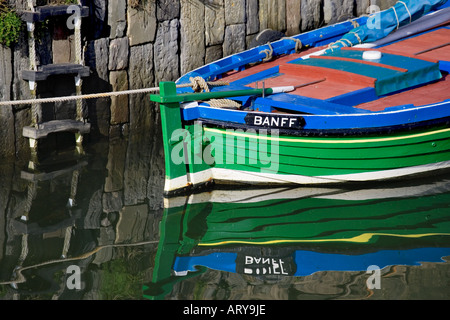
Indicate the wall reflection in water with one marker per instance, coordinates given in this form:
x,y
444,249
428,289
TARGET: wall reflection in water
x,y
98,211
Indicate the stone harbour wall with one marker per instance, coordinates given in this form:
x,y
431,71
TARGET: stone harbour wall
x,y
132,44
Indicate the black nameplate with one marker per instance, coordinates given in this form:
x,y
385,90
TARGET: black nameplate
x,y
274,121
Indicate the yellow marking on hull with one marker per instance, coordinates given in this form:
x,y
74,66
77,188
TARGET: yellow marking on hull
x,y
363,238
337,141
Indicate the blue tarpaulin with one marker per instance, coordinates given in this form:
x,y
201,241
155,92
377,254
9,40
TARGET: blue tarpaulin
x,y
382,23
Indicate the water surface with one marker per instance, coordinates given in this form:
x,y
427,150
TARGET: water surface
x,y
104,214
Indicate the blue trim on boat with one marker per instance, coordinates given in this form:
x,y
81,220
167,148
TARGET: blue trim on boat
x,y
302,104
238,61
391,117
444,66
259,76
355,97
310,262
225,261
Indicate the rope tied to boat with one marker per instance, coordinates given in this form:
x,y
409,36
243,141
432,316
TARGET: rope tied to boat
x,y
298,43
224,103
333,45
355,23
396,16
199,84
268,52
357,36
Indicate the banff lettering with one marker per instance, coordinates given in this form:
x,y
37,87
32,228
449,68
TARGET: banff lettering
x,y
275,121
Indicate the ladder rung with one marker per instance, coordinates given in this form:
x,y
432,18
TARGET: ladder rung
x,y
45,128
44,12
55,69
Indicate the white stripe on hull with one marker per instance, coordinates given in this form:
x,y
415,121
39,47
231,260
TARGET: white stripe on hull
x,y
228,175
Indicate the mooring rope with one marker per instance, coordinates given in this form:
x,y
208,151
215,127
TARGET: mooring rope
x,y
99,95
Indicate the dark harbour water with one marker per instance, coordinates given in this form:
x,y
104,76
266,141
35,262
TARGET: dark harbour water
x,y
117,239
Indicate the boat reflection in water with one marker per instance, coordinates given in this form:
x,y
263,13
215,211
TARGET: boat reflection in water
x,y
285,232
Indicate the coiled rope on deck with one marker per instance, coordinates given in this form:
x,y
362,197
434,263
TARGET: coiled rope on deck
x,y
199,84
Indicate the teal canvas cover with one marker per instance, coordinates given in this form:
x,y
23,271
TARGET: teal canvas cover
x,y
382,23
387,80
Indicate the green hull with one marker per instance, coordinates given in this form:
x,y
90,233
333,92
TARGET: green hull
x,y
234,156
372,218
196,154
282,220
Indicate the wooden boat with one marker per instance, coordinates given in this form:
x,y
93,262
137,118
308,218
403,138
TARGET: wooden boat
x,y
335,105
293,232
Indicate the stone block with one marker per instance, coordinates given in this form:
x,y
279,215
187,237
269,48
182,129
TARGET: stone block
x,y
97,20
7,147
140,75
311,14
117,18
272,15
192,44
361,7
118,54
234,39
97,57
213,53
141,23
293,17
112,201
263,14
63,51
114,181
277,15
131,225
215,23
166,51
235,11
252,17
137,168
119,104
167,10
337,10
384,4
5,73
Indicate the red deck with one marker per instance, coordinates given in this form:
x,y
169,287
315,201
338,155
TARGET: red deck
x,y
430,46
428,94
